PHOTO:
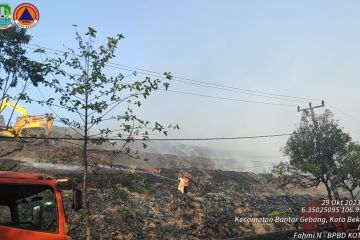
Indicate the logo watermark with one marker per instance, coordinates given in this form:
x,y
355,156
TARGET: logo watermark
x,y
26,15
5,16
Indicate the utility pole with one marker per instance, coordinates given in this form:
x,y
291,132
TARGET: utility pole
x,y
326,163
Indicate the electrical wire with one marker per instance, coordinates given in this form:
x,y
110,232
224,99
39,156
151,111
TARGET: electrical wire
x,y
224,98
233,99
345,113
193,81
151,139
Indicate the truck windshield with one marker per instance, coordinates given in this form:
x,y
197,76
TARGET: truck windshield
x,y
30,207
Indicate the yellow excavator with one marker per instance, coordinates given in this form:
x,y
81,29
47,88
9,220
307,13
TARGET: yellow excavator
x,y
25,124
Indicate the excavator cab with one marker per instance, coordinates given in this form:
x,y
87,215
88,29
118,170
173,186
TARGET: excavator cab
x,y
35,125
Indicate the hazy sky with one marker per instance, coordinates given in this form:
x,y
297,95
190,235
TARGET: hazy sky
x,y
298,48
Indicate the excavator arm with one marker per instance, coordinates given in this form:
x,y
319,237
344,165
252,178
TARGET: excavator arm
x,y
3,104
21,110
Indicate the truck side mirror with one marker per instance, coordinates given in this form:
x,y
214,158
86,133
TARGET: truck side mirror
x,y
77,199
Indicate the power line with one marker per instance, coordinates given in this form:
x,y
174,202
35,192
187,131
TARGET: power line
x,y
149,139
231,99
214,156
210,85
349,122
56,115
195,82
190,80
345,113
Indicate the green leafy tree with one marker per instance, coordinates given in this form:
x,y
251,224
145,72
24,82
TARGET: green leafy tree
x,y
310,165
17,72
96,100
16,67
349,170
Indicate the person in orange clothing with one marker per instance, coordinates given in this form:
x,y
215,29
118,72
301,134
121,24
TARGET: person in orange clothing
x,y
186,184
183,184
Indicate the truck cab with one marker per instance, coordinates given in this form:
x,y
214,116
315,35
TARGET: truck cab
x,y
31,207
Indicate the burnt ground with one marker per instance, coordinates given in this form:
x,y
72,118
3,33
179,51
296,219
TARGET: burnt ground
x,y
133,206
144,206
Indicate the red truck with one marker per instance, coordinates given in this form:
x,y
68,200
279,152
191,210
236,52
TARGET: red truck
x,y
31,207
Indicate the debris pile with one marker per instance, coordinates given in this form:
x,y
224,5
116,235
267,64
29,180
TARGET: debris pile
x,y
133,206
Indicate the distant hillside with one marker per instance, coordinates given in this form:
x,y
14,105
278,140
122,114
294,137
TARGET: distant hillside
x,y
160,154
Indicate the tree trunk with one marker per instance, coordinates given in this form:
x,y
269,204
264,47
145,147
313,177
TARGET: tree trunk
x,y
322,156
334,189
85,162
86,197
86,206
328,189
352,195
350,190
